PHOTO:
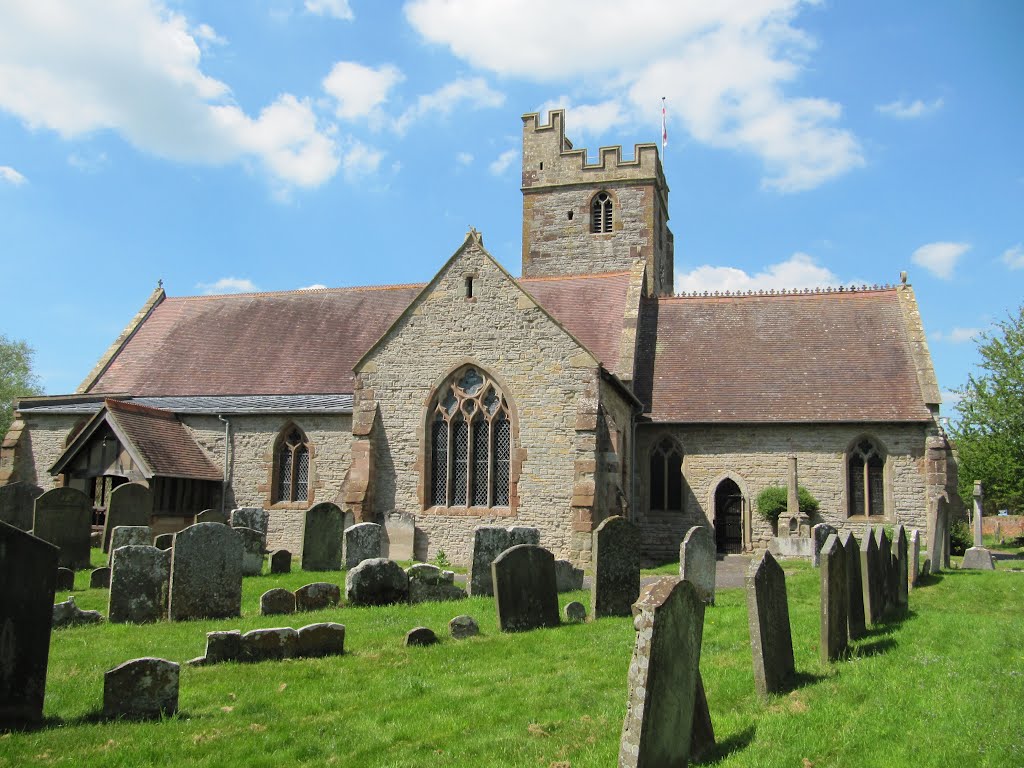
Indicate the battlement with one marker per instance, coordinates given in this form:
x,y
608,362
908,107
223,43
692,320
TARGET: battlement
x,y
549,158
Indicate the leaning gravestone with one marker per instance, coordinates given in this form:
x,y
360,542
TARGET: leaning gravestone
x,y
251,517
212,516
834,601
206,573
771,639
819,533
321,539
139,579
377,581
663,676
16,503
854,586
914,564
141,689
63,517
616,582
128,535
130,504
252,550
399,536
362,542
872,576
900,566
697,561
489,541
525,593
28,572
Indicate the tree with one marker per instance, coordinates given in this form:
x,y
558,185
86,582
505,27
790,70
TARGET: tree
x,y
16,378
989,433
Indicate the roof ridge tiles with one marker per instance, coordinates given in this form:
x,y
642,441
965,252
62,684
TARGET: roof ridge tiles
x,y
774,293
297,292
129,407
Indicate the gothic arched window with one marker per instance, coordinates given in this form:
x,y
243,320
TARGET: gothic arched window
x,y
601,213
865,473
666,472
470,443
291,466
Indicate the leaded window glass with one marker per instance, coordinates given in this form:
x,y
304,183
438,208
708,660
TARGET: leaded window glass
x,y
481,463
866,480
292,471
439,461
460,461
502,453
666,477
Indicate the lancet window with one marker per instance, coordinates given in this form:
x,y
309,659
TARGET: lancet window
x,y
865,472
601,213
666,477
291,470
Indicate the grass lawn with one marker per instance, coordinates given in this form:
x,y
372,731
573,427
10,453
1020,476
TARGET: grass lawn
x,y
945,687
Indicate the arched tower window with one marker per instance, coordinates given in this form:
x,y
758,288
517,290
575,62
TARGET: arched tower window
x,y
865,472
666,472
291,466
470,443
601,213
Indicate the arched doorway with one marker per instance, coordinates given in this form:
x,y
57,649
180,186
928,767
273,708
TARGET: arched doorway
x,y
729,517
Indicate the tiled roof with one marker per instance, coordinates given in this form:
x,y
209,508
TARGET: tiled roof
x,y
779,358
199,404
163,442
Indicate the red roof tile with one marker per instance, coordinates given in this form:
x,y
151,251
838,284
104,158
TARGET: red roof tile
x,y
163,441
781,358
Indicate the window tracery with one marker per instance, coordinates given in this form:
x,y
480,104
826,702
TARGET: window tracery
x,y
866,480
291,471
666,477
601,213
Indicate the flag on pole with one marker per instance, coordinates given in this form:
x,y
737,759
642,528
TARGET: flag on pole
x,y
664,127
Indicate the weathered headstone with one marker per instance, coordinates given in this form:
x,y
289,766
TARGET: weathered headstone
x,y
130,504
663,676
141,688
938,525
568,577
698,561
139,579
771,639
616,582
164,541
271,644
206,573
901,569
819,533
362,542
276,602
885,570
17,501
463,626
223,646
702,737
28,573
68,614
252,550
835,595
872,576
251,517
324,639
100,578
429,583
321,539
525,593
212,516
399,536
977,558
317,596
63,517
65,580
854,586
914,572
280,561
575,611
420,636
489,541
377,581
128,535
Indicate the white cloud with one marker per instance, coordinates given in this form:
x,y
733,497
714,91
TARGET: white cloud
x,y
587,120
80,66
359,90
464,158
503,161
726,69
360,160
87,163
940,258
957,335
228,285
950,397
1014,257
908,110
11,176
338,9
313,287
799,271
472,92
208,36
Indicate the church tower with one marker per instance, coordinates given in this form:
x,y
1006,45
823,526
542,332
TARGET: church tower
x,y
583,218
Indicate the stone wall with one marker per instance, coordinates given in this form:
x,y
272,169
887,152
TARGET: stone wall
x,y
39,445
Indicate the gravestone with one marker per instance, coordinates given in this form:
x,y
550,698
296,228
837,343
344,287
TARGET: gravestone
x,y
251,517
463,626
914,565
362,542
901,569
65,580
271,644
525,593
568,577
17,501
399,536
835,595
28,573
252,550
100,578
429,583
130,504
575,611
128,535
139,579
977,558
872,576
276,602
938,527
854,586
280,561
421,636
63,517
164,541
616,582
317,596
819,533
698,561
702,736
663,676
489,541
212,516
322,538
324,639
223,646
206,573
377,581
141,689
68,614
771,639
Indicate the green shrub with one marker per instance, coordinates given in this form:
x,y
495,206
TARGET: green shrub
x,y
771,502
441,560
960,537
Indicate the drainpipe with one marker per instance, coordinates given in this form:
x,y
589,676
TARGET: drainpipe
x,y
224,482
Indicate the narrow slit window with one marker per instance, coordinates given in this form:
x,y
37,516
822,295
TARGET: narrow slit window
x,y
469,286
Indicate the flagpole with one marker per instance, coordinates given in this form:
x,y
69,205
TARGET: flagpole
x,y
664,131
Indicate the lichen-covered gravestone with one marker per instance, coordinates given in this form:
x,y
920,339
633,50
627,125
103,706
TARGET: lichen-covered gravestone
x,y
568,577
885,569
130,504
206,573
212,516
429,583
914,564
377,581
362,542
819,533
252,550
663,676
771,638
900,565
854,587
317,596
697,561
489,541
251,517
141,688
321,540
16,503
63,517
277,602
399,536
525,592
128,535
835,595
139,578
871,575
28,572
616,582
938,531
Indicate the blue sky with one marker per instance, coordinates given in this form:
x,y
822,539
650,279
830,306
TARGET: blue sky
x,y
295,143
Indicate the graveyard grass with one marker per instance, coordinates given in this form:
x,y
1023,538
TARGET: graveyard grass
x,y
943,687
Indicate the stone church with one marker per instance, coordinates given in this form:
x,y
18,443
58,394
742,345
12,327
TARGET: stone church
x,y
580,390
